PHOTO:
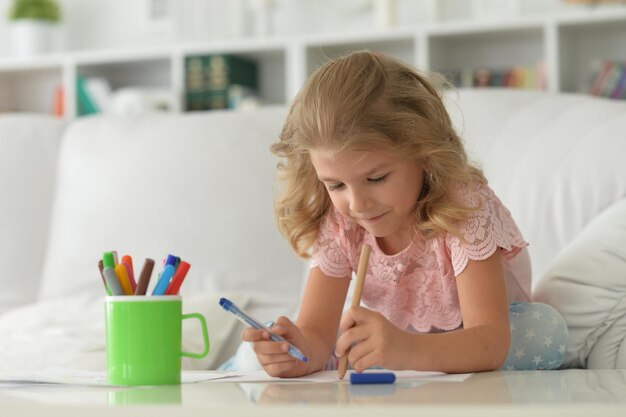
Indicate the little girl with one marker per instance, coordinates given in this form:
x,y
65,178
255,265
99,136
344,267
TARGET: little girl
x,y
369,156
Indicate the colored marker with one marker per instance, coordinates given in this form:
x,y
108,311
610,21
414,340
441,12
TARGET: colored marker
x,y
101,267
178,278
127,261
112,282
144,277
107,260
372,378
122,276
164,280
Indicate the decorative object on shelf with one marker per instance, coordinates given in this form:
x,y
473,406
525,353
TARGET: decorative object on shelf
x,y
34,26
385,13
132,101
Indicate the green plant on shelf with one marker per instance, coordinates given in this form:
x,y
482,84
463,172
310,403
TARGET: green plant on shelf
x,y
46,10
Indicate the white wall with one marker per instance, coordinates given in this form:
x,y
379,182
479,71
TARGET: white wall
x,y
116,23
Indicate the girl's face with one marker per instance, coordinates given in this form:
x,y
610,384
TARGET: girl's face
x,y
374,189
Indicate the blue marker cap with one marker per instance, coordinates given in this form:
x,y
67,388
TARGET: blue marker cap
x,y
171,260
372,378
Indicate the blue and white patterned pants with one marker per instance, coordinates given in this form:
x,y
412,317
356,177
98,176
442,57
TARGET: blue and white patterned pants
x,y
538,337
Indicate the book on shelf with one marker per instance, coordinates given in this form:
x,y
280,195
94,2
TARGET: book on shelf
x,y
526,77
85,104
219,82
606,78
93,95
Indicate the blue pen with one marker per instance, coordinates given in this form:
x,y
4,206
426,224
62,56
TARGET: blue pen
x,y
164,280
232,308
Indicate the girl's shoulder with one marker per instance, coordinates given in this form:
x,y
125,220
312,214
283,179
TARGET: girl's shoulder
x,y
473,195
488,225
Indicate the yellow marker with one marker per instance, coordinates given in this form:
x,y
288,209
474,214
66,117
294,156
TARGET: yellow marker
x,y
122,276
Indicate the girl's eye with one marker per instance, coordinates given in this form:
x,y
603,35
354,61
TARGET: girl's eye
x,y
333,187
377,179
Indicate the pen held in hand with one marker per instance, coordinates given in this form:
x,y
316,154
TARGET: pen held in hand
x,y
252,322
356,300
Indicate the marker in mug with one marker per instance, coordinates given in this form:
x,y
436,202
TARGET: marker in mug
x,y
144,277
112,282
164,280
104,281
232,308
178,278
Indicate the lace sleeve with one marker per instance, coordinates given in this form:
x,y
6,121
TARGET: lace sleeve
x,y
330,250
489,227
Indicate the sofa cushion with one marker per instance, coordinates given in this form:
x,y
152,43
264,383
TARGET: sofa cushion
x,y
555,160
199,186
69,332
28,163
587,284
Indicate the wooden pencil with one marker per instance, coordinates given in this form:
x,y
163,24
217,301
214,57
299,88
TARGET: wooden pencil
x,y
356,300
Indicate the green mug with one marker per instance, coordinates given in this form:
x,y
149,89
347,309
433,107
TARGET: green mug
x,y
144,339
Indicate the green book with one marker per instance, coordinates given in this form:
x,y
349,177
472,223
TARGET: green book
x,y
209,78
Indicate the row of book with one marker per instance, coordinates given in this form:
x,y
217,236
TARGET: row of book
x,y
526,77
606,78
220,82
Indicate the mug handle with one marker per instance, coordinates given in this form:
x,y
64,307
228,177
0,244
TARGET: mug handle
x,y
205,336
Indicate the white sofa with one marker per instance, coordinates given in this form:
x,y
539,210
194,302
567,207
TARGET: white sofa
x,y
201,186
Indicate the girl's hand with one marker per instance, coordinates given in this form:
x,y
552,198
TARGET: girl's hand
x,y
273,355
374,340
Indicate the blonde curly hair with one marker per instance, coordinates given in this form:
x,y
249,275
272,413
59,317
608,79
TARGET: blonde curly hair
x,y
369,101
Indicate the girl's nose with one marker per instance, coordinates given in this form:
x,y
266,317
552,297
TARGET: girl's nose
x,y
359,201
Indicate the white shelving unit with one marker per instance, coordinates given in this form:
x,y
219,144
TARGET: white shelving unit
x,y
566,43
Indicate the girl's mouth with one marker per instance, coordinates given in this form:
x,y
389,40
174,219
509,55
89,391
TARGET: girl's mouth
x,y
373,219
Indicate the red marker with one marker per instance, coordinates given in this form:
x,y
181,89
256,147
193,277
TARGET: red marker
x,y
177,279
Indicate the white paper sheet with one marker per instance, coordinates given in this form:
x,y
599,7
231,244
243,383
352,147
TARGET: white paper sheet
x,y
93,378
331,376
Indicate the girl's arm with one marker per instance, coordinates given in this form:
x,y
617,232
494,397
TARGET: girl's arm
x,y
481,345
320,312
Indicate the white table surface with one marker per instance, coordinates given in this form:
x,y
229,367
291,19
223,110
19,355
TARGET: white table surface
x,y
529,394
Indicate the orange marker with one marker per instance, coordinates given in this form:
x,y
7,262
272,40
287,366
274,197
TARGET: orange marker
x,y
127,261
177,279
122,277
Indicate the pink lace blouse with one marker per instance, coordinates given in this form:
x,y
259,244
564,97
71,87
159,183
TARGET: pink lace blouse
x,y
416,288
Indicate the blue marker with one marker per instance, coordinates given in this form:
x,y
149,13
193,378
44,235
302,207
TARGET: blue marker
x,y
373,378
164,280
232,308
